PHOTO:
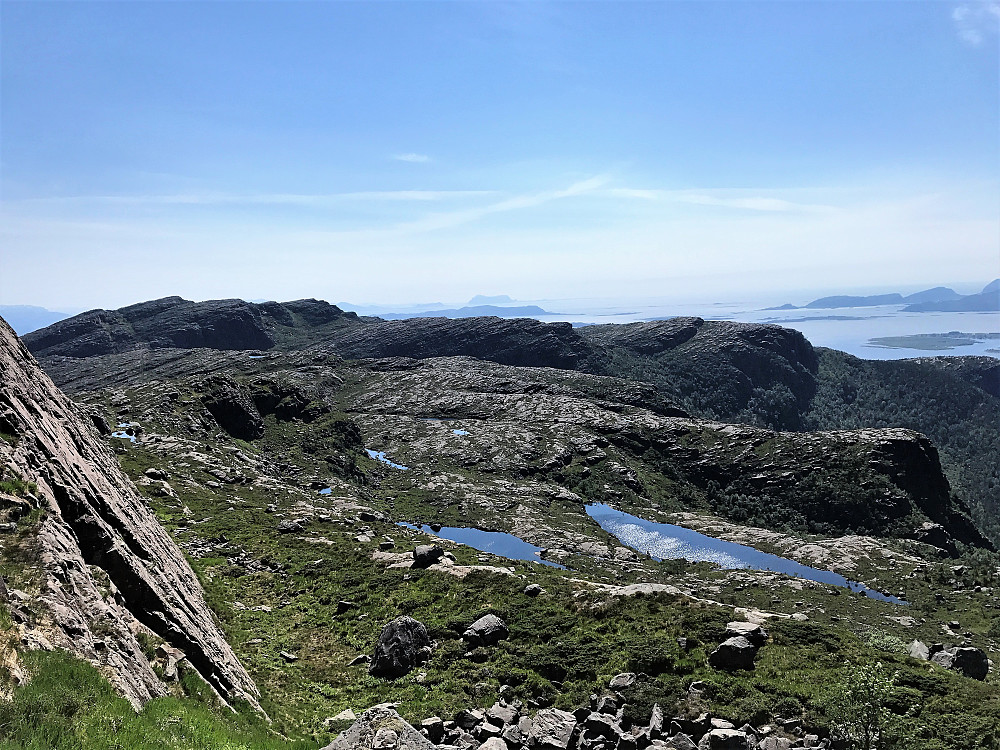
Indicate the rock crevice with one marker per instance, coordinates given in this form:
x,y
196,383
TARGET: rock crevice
x,y
95,517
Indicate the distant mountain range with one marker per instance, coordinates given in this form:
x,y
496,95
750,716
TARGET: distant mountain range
x,y
938,299
27,318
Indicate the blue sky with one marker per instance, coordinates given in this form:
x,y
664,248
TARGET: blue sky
x,y
403,151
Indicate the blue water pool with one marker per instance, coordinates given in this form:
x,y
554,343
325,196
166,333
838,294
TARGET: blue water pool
x,y
380,456
496,542
665,541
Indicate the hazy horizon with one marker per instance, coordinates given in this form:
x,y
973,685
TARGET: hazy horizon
x,y
766,297
389,152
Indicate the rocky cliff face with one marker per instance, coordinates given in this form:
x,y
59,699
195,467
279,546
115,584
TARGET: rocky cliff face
x,y
717,368
172,322
99,569
522,341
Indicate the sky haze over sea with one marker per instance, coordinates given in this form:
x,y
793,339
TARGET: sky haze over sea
x,y
406,151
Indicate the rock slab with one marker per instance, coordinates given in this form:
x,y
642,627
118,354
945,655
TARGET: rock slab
x,y
96,519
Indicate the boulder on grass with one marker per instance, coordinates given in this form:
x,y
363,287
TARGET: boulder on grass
x,y
749,630
426,555
488,630
402,645
733,653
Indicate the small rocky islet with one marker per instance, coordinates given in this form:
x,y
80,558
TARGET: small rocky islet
x,y
222,498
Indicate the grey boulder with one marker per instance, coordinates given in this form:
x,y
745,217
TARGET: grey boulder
x,y
680,742
488,630
724,739
552,729
969,661
622,681
402,644
426,555
749,630
380,728
733,653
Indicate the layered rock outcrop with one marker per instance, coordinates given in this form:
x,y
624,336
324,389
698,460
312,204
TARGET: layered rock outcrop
x,y
170,322
175,323
101,569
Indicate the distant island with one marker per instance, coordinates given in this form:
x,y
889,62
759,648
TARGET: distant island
x,y
496,299
937,299
987,300
472,311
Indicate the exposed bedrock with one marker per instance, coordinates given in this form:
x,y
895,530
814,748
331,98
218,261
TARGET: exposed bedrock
x,y
106,569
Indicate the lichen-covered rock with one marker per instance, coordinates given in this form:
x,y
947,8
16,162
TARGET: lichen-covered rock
x,y
97,521
402,644
380,728
552,729
488,630
733,653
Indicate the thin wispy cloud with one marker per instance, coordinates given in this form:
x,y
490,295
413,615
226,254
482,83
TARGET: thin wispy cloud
x,y
276,199
413,158
720,198
526,200
976,21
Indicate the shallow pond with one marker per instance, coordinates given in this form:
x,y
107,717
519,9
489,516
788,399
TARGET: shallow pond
x,y
495,542
380,456
665,541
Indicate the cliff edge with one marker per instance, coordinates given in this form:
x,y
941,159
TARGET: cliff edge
x,y
99,570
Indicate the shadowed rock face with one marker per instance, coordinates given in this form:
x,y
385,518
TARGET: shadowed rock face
x,y
170,322
176,323
232,408
97,525
725,361
522,341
